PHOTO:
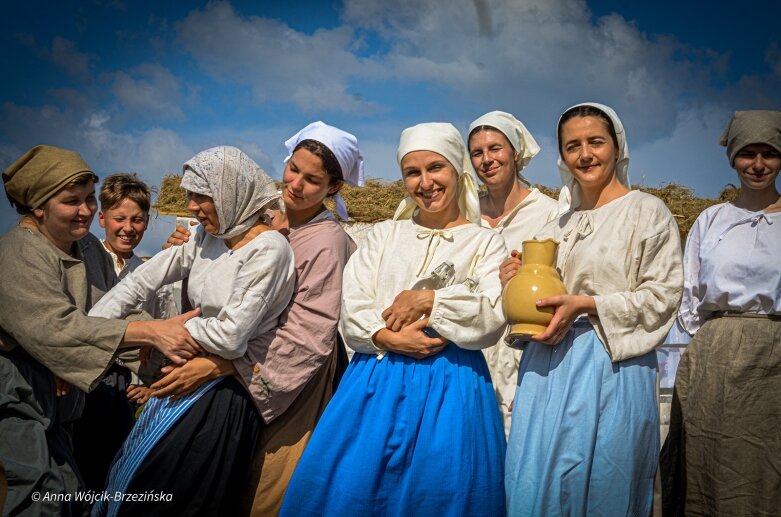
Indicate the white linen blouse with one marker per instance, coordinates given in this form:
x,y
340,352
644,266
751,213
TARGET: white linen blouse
x,y
731,264
240,293
627,255
396,254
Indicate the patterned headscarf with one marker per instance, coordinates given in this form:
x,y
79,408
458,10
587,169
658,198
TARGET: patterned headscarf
x,y
751,127
523,142
570,194
444,139
345,148
241,190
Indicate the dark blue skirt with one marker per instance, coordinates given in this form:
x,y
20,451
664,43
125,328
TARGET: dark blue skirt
x,y
405,437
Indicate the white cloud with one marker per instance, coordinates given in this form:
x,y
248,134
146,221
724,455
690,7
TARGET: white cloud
x,y
149,90
277,63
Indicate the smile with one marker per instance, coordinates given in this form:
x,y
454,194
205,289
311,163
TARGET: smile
x,y
432,194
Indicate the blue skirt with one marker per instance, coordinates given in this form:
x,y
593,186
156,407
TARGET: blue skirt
x,y
405,437
585,431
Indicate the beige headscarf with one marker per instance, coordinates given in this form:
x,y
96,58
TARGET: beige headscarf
x,y
444,139
241,190
523,142
570,194
40,173
751,127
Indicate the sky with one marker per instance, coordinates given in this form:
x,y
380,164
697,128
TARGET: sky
x,y
141,86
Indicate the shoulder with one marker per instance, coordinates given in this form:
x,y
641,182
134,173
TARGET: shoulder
x,y
23,247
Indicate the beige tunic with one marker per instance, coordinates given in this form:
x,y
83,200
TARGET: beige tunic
x,y
44,297
522,223
627,255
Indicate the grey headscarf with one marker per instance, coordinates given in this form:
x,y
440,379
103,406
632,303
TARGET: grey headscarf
x,y
751,127
241,190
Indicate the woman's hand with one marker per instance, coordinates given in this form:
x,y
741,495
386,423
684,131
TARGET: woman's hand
x,y
169,336
567,308
179,237
410,341
408,307
138,393
183,380
510,267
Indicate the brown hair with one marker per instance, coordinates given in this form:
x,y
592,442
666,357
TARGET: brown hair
x,y
330,163
485,127
118,187
587,111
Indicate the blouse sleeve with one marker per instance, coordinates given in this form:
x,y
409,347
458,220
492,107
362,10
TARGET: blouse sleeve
x,y
261,290
361,315
688,316
141,285
634,322
474,320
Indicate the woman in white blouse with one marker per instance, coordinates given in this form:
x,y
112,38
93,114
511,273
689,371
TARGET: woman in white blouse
x,y
585,430
500,147
197,446
414,428
723,453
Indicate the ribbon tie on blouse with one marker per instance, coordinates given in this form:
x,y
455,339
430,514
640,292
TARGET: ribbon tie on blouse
x,y
581,229
434,236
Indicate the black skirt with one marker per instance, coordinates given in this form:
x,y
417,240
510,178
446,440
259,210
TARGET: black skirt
x,y
203,460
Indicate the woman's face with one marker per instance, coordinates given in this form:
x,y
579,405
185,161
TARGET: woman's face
x,y
588,151
757,166
305,182
66,216
431,181
125,225
493,157
202,207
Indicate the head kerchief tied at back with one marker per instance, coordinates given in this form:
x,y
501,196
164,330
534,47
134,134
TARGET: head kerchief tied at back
x,y
40,173
444,139
570,194
344,146
751,127
240,189
520,138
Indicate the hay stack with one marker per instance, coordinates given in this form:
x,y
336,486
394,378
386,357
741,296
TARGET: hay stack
x,y
378,199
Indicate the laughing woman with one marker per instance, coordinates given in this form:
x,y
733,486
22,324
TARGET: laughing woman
x,y
414,427
723,453
585,430
198,445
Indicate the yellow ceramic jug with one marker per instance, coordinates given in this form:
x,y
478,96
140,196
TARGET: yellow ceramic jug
x,y
536,279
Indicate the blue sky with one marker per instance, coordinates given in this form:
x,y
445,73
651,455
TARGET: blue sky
x,y
143,85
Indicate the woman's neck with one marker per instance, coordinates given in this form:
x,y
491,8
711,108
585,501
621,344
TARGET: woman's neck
x,y
502,199
768,200
600,196
244,238
64,246
449,218
296,218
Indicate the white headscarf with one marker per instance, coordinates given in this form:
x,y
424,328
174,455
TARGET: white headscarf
x,y
444,139
345,148
241,191
570,194
523,142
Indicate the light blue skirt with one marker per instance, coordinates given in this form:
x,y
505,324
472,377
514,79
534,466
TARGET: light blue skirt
x,y
405,437
585,431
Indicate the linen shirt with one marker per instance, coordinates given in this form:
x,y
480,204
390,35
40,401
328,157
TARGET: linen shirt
x,y
396,254
731,264
627,255
240,293
279,364
45,293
